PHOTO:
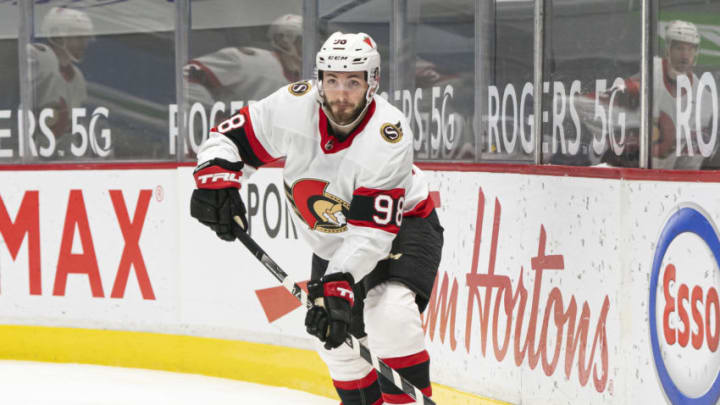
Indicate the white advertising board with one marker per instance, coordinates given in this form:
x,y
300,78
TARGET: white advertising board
x,y
520,253
551,290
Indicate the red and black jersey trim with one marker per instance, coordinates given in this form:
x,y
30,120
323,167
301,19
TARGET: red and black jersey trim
x,y
423,209
380,209
252,152
331,144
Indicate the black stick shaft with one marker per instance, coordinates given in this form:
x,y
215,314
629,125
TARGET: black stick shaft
x,y
392,375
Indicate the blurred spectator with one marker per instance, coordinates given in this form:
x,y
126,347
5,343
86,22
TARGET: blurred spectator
x,y
247,73
452,138
58,84
682,41
674,143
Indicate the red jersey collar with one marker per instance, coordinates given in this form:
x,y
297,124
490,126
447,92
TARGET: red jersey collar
x,y
329,143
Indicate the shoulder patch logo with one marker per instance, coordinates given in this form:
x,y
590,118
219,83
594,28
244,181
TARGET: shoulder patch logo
x,y
391,132
299,88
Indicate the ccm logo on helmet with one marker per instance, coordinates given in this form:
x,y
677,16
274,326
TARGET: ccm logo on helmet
x,y
215,177
391,133
299,88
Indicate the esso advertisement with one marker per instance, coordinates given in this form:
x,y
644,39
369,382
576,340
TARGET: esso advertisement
x,y
684,307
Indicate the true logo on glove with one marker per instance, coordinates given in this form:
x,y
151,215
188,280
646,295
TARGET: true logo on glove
x,y
215,177
340,289
345,293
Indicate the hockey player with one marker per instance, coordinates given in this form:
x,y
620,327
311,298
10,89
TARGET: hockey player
x,y
673,148
674,143
57,83
359,202
247,73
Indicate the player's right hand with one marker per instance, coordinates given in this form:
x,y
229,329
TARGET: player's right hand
x,y
329,320
216,201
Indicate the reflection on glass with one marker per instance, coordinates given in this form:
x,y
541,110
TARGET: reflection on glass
x,y
102,79
238,59
438,98
685,88
58,85
9,99
505,130
591,83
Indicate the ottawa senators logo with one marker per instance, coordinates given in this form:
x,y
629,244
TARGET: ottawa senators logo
x,y
391,133
299,88
319,209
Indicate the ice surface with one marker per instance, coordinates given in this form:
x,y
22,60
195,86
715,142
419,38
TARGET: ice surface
x,y
23,382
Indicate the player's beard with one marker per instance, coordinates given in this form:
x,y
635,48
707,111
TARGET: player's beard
x,y
344,115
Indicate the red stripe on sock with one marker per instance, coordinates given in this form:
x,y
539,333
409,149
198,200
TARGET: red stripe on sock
x,y
364,382
407,361
403,398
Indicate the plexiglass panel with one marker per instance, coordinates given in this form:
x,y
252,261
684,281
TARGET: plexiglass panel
x,y
102,80
240,52
686,83
591,88
437,79
505,128
9,84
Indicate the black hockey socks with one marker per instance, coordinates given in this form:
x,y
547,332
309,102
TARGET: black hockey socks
x,y
365,391
416,369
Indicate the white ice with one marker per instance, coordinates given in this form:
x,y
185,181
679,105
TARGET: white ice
x,y
35,383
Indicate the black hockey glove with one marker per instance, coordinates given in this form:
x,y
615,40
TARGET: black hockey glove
x,y
329,319
217,199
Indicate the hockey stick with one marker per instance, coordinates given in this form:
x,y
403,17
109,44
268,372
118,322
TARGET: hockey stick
x,y
400,382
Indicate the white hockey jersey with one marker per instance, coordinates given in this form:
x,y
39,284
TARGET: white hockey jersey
x,y
53,85
349,196
234,74
675,147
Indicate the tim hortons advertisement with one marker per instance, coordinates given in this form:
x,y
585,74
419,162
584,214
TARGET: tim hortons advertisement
x,y
525,303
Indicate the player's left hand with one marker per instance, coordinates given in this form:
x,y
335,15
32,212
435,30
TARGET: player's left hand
x,y
329,319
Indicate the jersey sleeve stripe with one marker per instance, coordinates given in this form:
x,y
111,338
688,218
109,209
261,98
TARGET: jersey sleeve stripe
x,y
377,209
251,150
422,209
259,150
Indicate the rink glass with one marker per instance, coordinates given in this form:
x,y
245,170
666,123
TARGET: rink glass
x,y
462,72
